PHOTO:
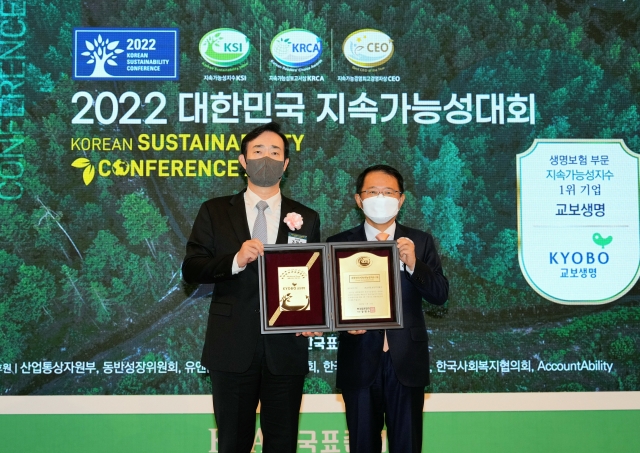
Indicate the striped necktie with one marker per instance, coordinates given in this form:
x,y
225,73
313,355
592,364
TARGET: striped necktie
x,y
260,225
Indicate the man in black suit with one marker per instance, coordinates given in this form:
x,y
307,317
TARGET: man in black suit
x,y
382,374
225,242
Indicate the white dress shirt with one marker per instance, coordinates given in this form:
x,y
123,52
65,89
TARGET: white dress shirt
x,y
372,232
272,214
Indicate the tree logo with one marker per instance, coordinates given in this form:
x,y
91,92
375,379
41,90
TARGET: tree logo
x,y
89,169
101,52
125,53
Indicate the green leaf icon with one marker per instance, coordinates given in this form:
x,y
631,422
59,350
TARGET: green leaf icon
x,y
599,240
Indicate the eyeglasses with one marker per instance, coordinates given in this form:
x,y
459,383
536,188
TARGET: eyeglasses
x,y
384,192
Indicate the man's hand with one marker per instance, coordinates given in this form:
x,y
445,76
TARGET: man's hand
x,y
407,252
309,334
249,252
356,332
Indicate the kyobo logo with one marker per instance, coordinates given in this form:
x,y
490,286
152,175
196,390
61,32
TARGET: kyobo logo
x,y
224,47
368,48
296,48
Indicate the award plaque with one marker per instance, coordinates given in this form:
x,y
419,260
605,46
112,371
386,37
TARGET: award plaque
x,y
366,285
295,290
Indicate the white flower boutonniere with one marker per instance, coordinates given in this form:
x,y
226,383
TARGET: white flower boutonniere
x,y
293,221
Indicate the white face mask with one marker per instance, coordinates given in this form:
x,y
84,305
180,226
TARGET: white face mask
x,y
380,209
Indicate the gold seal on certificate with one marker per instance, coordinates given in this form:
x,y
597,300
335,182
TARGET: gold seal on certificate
x,y
364,287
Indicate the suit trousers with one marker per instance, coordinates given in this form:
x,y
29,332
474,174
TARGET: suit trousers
x,y
385,401
235,400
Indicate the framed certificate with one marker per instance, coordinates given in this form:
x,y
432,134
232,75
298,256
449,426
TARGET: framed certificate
x,y
366,285
295,290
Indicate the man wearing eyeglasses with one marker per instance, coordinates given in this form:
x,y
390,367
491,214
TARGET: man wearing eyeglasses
x,y
382,374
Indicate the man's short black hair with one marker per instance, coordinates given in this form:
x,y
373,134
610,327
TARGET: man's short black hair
x,y
271,127
381,168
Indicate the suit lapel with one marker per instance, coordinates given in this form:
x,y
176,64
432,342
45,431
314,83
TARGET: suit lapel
x,y
358,234
283,229
238,217
400,231
404,281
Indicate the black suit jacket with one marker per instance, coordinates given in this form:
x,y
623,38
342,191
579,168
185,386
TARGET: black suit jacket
x,y
359,355
233,328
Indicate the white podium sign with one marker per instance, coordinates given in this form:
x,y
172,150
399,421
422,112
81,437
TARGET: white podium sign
x,y
578,219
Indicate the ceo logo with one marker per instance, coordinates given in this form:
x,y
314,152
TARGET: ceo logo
x,y
296,48
224,47
364,261
368,48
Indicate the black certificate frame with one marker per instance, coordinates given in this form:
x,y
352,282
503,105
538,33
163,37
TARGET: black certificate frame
x,y
386,248
320,312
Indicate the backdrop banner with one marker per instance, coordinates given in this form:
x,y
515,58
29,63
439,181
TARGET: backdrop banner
x,y
515,125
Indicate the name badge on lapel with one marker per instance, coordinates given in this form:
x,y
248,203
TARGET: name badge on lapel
x,y
296,239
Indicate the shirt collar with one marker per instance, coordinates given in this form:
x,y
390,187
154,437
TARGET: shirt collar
x,y
371,231
252,199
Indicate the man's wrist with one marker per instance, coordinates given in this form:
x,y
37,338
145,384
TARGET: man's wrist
x,y
235,268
